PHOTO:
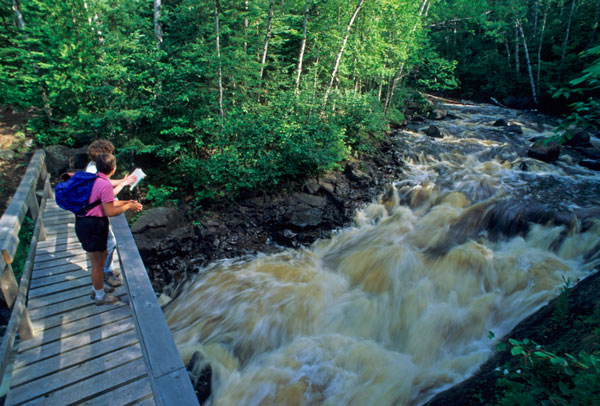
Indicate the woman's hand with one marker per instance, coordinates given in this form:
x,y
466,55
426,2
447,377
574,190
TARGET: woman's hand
x,y
134,206
129,180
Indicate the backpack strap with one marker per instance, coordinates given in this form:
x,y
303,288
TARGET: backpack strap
x,y
83,211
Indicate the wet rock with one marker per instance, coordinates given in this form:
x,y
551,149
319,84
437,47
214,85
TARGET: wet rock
x,y
500,123
60,159
433,131
200,373
546,153
593,165
579,139
354,174
438,114
515,129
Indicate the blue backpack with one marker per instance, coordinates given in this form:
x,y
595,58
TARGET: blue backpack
x,y
74,194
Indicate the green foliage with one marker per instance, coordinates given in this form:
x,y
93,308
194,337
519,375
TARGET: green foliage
x,y
548,378
585,110
561,312
25,235
161,195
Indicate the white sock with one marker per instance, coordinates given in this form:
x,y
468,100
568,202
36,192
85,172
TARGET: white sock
x,y
99,293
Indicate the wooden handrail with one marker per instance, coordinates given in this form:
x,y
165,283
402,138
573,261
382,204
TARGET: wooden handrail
x,y
24,200
170,382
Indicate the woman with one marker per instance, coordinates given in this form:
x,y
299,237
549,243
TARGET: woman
x,y
92,228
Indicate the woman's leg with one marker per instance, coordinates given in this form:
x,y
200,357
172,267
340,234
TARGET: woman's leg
x,y
98,258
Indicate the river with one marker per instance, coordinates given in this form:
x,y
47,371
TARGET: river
x,y
474,238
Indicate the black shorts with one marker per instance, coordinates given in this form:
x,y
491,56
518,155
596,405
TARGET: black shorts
x,y
92,232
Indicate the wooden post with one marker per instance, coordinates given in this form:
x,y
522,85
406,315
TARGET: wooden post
x,y
8,284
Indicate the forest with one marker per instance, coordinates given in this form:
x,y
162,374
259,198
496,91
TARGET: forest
x,y
221,97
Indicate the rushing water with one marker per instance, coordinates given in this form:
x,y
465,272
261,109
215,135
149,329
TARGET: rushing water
x,y
473,239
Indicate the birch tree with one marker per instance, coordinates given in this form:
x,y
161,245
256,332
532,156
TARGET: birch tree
x,y
341,51
531,81
219,69
302,46
158,33
267,37
564,47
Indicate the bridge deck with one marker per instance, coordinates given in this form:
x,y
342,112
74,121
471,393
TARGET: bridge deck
x,y
81,353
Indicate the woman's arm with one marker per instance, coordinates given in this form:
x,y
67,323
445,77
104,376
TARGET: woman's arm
x,y
117,207
119,184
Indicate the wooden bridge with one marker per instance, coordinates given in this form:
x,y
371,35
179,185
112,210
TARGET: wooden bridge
x,y
61,349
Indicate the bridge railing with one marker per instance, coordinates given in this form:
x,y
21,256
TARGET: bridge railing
x,y
170,382
24,200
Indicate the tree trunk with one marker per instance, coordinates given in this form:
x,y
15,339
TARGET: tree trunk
x,y
392,86
17,9
564,50
157,26
302,47
507,53
380,89
531,81
339,55
219,73
595,25
535,17
539,64
517,67
246,28
267,36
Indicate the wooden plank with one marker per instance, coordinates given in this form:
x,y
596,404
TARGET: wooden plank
x,y
157,342
22,374
70,376
85,390
138,393
86,338
57,270
50,280
43,256
8,285
55,244
78,257
53,247
73,316
65,228
69,329
59,292
68,305
174,389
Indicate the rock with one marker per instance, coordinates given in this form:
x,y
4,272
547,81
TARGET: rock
x,y
546,153
433,131
311,187
354,174
418,117
579,139
200,373
515,129
7,154
500,123
438,114
593,165
60,159
159,219
57,159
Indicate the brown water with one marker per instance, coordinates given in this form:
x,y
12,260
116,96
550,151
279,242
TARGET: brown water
x,y
400,306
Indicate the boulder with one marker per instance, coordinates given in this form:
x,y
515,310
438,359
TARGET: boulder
x,y
579,139
590,164
546,153
60,159
500,123
158,221
433,131
200,373
438,114
515,129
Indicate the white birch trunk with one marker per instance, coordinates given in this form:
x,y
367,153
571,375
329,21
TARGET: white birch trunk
x,y
246,28
17,9
157,26
302,47
219,73
508,56
267,37
539,63
564,50
339,55
517,66
531,81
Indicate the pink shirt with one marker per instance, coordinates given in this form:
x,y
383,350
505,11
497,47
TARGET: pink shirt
x,y
102,190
